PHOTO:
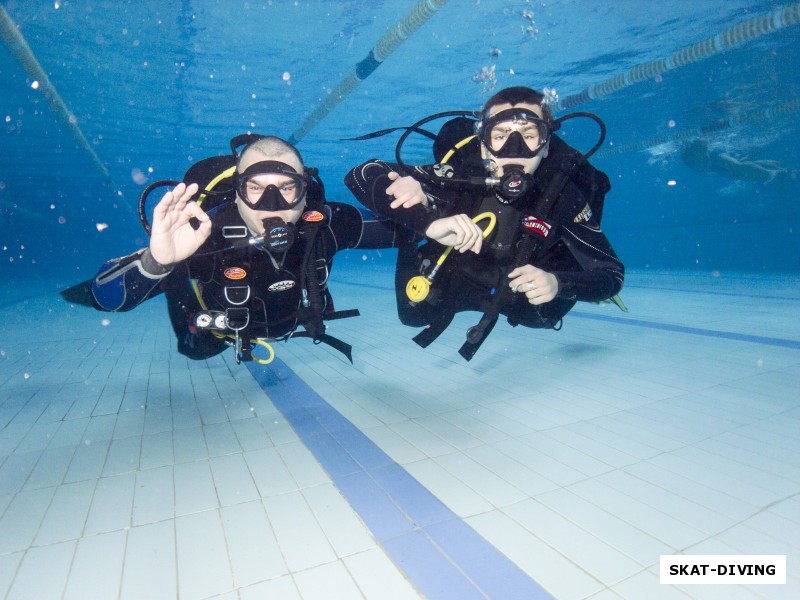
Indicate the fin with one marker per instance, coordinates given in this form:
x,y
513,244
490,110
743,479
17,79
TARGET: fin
x,y
80,294
342,314
618,301
333,342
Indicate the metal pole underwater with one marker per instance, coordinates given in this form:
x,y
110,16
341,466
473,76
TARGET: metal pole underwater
x,y
18,46
391,41
746,31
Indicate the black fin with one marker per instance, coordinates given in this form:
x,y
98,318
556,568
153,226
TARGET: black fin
x,y
80,294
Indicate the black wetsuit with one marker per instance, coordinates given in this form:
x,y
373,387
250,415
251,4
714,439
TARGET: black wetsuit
x,y
575,250
212,278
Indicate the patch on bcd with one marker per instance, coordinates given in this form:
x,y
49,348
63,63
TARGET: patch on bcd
x,y
585,215
313,216
235,273
537,226
281,286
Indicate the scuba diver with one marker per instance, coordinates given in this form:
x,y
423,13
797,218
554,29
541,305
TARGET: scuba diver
x,y
520,207
251,267
698,155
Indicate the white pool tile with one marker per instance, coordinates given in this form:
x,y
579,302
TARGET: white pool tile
x,y
283,588
378,578
111,505
301,539
157,451
232,480
43,572
330,581
87,460
69,434
211,409
150,569
154,496
16,469
8,570
203,565
221,439
250,434
255,555
123,456
100,429
194,488
189,444
270,474
19,523
96,572
129,423
304,468
66,515
50,468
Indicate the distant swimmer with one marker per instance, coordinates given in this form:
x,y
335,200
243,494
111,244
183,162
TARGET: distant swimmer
x,y
699,156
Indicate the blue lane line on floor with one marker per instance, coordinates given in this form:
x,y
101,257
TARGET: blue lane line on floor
x,y
728,335
739,337
443,556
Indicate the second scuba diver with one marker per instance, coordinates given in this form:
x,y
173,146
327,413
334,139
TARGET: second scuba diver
x,y
523,211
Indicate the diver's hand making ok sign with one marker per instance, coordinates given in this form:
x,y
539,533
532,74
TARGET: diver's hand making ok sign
x,y
173,238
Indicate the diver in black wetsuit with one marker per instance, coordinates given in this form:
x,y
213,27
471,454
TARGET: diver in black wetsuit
x,y
543,248
251,269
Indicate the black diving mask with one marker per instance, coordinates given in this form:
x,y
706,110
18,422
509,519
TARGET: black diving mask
x,y
515,133
284,195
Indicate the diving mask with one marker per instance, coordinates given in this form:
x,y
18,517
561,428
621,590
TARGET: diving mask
x,y
286,195
515,133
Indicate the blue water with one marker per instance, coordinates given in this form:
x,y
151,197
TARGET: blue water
x,y
156,86
676,421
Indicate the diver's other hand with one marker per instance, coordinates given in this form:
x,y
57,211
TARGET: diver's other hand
x,y
172,238
407,191
537,285
458,231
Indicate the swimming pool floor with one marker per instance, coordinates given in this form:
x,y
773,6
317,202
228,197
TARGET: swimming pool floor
x,y
554,464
